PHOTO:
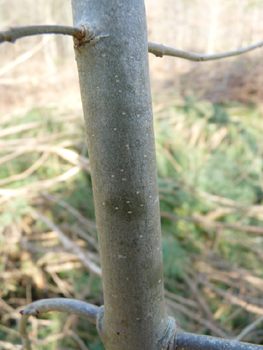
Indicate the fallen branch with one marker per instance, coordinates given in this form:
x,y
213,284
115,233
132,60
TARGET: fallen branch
x,y
77,339
19,128
70,246
27,172
246,228
37,186
233,299
249,328
194,316
67,154
23,58
9,346
190,281
87,223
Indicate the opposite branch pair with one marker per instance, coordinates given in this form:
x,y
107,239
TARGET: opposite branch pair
x,y
83,34
171,340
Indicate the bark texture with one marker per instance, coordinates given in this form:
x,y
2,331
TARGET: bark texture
x,y
115,89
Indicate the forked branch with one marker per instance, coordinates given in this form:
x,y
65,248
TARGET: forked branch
x,y
84,34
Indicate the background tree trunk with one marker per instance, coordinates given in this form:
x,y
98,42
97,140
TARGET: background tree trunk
x,y
115,90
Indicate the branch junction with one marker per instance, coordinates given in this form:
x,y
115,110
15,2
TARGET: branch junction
x,y
83,34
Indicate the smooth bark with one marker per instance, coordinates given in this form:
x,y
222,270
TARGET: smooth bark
x,y
188,341
115,90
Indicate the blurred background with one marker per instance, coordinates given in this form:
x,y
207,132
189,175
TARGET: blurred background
x,y
208,125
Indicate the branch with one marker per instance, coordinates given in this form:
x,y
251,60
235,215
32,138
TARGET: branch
x,y
187,341
71,306
85,34
234,299
177,340
160,50
25,56
87,223
171,340
13,33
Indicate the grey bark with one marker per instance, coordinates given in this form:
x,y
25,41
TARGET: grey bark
x,y
188,341
115,89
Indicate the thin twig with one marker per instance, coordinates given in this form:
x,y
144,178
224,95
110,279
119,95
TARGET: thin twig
x,y
62,285
246,228
14,33
82,234
233,299
89,224
249,328
4,306
194,316
205,264
193,287
10,156
160,50
180,299
36,186
18,128
27,172
77,339
253,210
69,245
66,154
23,57
8,330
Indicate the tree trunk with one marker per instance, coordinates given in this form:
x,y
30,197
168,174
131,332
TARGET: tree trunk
x,y
115,89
